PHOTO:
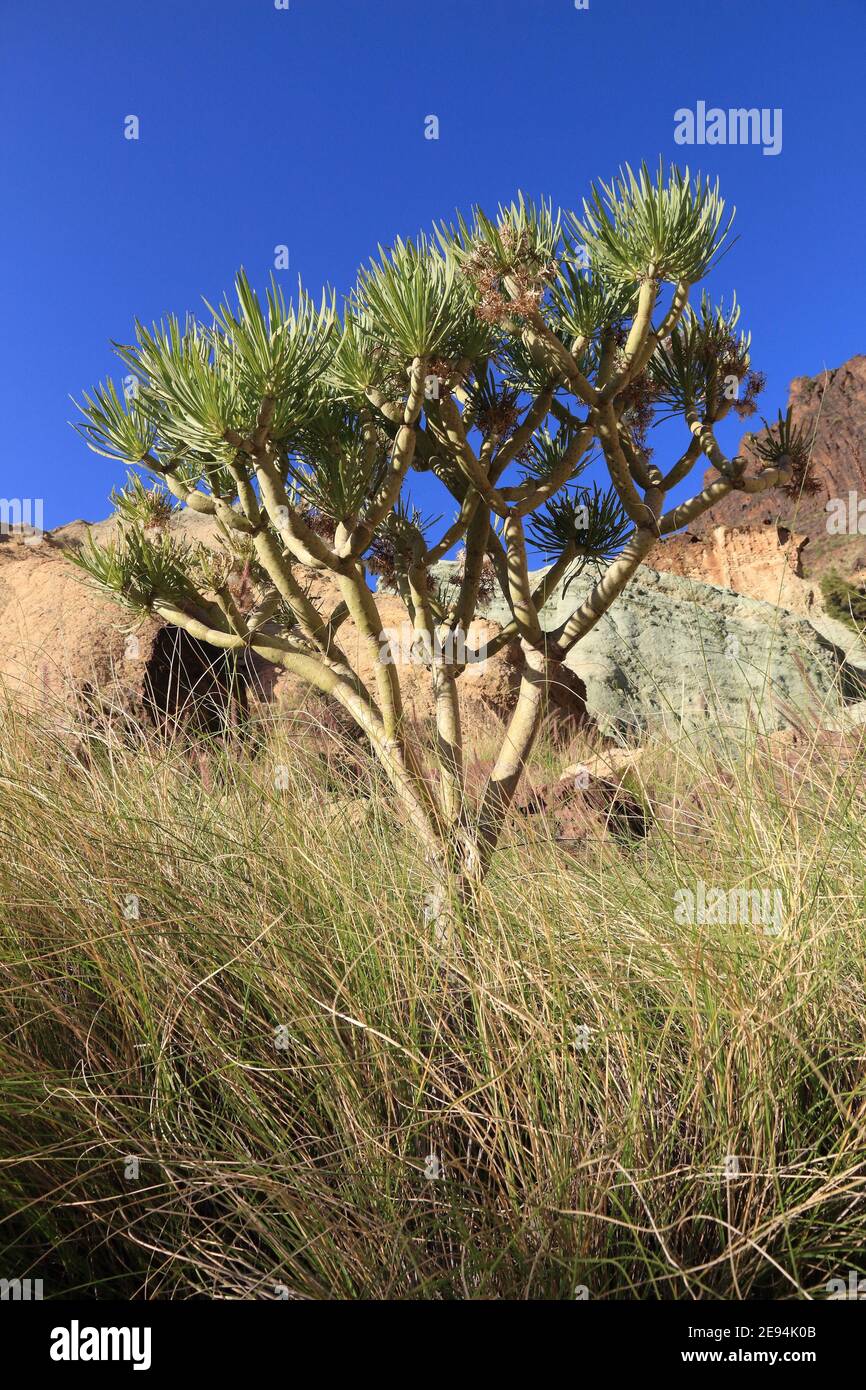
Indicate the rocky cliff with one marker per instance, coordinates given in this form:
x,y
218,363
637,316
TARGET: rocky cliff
x,y
674,651
832,407
763,562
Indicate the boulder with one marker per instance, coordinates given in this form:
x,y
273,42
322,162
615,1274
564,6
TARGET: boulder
x,y
676,653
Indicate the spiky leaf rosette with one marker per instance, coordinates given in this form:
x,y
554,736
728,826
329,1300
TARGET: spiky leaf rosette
x,y
522,370
543,456
150,506
114,427
140,567
524,235
706,363
398,541
491,405
410,303
340,463
636,227
509,261
583,304
590,520
361,364
280,352
404,299
196,384
190,396
784,441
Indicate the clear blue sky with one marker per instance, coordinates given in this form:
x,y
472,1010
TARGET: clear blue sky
x,y
261,126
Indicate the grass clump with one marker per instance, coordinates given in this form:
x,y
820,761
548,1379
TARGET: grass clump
x,y
233,1064
844,600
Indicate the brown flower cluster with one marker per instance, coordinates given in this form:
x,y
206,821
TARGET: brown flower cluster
x,y
747,402
242,588
521,264
802,481
732,360
322,525
446,371
639,399
382,557
500,415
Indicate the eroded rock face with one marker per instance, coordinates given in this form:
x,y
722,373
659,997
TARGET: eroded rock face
x,y
66,643
832,406
673,651
59,636
676,653
762,562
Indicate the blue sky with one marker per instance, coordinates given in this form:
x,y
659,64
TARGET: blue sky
x,y
305,127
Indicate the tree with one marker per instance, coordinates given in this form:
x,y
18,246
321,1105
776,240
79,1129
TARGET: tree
x,y
495,354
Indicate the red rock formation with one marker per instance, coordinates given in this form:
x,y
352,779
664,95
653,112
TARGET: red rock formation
x,y
833,405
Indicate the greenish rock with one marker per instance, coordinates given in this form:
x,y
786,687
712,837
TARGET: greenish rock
x,y
674,653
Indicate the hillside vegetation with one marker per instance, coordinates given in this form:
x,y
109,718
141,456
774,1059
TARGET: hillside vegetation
x,y
232,1065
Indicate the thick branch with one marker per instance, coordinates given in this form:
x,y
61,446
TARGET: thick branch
x,y
452,425
652,339
324,676
513,755
401,461
519,592
529,496
608,433
525,432
365,615
608,588
557,355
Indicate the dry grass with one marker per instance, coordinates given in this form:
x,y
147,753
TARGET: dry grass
x,y
232,1052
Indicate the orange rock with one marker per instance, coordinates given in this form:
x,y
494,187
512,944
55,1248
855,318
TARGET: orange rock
x,y
762,562
832,408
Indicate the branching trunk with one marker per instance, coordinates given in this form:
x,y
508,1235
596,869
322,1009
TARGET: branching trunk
x,y
520,736
296,433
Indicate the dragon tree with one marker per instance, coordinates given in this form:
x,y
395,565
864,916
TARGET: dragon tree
x,y
499,355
